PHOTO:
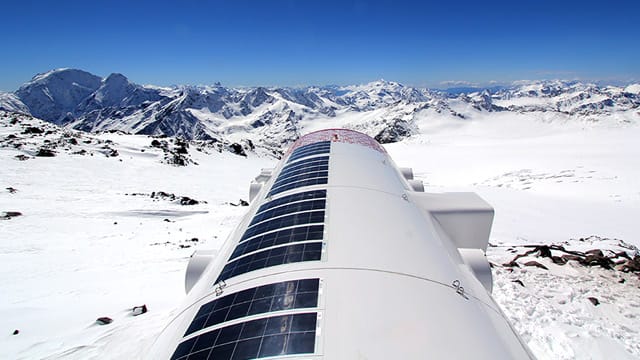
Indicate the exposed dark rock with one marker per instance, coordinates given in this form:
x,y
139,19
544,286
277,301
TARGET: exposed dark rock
x,y
185,200
558,260
113,153
22,157
16,332
518,282
597,259
237,149
512,263
156,143
12,190
632,265
536,264
7,215
139,310
45,153
594,301
568,257
104,320
72,141
33,130
394,132
240,203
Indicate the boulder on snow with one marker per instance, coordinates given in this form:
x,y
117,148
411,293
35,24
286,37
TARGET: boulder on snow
x,y
237,149
594,301
43,152
7,215
139,310
33,130
104,320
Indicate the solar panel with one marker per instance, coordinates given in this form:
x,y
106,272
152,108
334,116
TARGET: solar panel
x,y
315,194
310,217
270,336
309,251
293,294
315,151
289,209
297,234
303,176
319,146
323,160
303,183
302,170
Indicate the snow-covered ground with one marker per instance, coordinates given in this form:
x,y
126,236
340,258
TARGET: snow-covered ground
x,y
86,247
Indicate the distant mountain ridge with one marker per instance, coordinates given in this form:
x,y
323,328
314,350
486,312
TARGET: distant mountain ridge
x,y
276,116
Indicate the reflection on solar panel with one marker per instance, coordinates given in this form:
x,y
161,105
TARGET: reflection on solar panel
x,y
272,336
271,257
297,234
315,194
294,294
311,149
311,217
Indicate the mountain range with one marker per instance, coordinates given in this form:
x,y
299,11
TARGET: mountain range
x,y
275,116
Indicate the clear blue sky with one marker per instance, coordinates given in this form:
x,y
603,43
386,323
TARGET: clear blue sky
x,y
304,42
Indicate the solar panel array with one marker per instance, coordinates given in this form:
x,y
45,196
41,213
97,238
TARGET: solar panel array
x,y
320,147
304,168
315,171
266,337
293,294
309,251
280,237
285,230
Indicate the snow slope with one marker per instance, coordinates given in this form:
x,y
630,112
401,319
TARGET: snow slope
x,y
85,246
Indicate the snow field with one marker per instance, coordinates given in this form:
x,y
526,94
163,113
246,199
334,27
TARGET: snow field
x,y
85,247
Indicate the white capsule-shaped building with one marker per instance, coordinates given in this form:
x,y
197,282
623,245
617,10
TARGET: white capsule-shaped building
x,y
343,256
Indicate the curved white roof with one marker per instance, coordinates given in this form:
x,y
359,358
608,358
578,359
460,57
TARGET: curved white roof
x,y
357,265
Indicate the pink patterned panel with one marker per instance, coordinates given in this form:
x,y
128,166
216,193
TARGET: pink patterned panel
x,y
337,135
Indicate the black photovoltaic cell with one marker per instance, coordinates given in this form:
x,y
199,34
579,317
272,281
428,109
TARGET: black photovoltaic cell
x,y
308,182
300,177
316,216
324,160
315,151
315,148
293,294
300,171
271,257
297,234
289,209
307,195
272,336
